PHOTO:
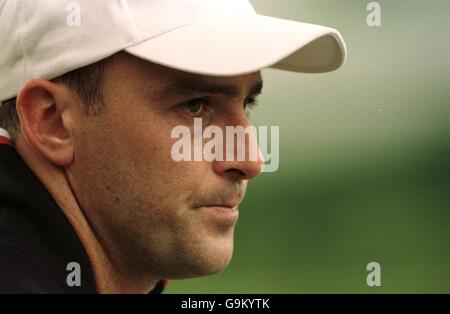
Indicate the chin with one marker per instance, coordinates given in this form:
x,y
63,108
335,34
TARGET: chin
x,y
217,254
204,260
217,263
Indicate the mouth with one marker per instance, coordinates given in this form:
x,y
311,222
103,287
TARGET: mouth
x,y
228,204
226,214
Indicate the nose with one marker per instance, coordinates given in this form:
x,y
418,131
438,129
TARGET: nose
x,y
242,159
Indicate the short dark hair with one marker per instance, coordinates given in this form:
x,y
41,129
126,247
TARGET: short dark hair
x,y
85,81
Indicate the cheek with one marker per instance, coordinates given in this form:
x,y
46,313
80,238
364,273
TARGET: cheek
x,y
150,144
127,164
143,153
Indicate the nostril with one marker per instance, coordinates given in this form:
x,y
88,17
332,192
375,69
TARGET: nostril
x,y
236,174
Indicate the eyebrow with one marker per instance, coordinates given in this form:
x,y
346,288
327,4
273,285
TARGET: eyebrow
x,y
186,87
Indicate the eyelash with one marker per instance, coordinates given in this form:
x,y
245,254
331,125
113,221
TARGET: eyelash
x,y
250,103
204,100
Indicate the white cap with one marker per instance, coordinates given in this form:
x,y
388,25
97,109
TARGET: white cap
x,y
47,38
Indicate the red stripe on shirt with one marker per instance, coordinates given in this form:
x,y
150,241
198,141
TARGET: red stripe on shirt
x,y
5,140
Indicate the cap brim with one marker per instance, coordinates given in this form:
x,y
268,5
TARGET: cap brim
x,y
240,45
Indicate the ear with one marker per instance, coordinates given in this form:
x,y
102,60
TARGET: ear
x,y
46,116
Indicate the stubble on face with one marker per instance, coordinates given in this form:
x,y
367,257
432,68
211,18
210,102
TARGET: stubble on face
x,y
141,204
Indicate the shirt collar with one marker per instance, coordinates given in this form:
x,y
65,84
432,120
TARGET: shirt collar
x,y
5,138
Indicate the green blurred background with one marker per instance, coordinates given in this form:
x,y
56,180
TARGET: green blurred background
x,y
364,161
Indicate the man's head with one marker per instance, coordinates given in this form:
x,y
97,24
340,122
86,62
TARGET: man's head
x,y
108,126
175,219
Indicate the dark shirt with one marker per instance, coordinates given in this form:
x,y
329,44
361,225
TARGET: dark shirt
x,y
37,242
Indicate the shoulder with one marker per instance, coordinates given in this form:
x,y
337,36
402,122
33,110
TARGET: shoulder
x,y
37,242
22,272
27,264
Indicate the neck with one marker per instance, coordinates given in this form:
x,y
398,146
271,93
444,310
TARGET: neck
x,y
108,278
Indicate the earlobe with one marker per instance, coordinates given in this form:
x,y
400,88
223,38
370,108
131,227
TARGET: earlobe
x,y
46,121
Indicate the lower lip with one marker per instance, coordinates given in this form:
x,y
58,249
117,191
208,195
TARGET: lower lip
x,y
223,213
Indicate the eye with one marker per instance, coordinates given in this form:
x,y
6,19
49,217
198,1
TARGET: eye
x,y
249,104
195,106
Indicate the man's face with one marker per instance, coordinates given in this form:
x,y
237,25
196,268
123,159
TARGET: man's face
x,y
171,219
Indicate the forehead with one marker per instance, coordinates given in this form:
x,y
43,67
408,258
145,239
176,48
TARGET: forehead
x,y
167,81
